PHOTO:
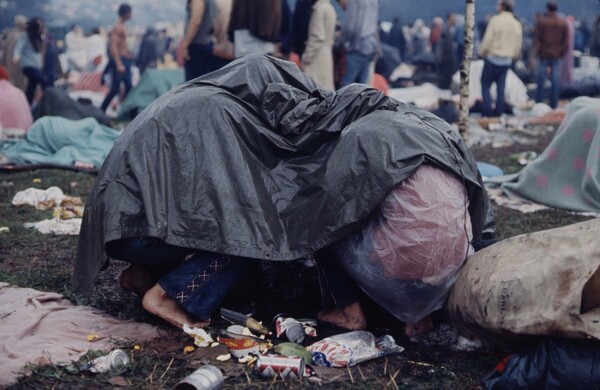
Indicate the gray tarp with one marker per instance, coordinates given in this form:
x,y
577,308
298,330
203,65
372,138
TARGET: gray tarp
x,y
254,160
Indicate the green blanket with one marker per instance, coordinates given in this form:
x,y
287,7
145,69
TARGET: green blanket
x,y
153,84
61,141
567,173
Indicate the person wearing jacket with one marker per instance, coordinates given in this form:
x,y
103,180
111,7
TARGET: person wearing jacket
x,y
550,43
360,38
317,58
501,45
28,54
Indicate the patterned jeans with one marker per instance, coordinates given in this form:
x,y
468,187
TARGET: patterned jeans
x,y
198,280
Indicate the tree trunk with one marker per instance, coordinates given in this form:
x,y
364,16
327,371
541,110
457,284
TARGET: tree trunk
x,y
465,69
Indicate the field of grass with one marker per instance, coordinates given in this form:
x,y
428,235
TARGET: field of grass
x,y
44,262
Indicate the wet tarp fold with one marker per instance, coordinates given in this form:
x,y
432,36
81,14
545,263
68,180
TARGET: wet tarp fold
x,y
254,160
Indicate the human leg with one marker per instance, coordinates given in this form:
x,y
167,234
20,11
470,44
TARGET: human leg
x,y
501,72
127,77
340,294
487,78
115,87
555,66
540,80
199,62
195,288
357,68
150,258
34,78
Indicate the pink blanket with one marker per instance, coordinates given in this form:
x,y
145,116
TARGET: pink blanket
x,y
43,327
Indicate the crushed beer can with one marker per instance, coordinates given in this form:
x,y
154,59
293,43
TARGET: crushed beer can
x,y
292,328
115,359
270,366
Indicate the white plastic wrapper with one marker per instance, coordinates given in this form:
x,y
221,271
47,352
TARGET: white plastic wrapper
x,y
351,348
408,254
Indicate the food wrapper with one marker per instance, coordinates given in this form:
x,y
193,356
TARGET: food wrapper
x,y
349,349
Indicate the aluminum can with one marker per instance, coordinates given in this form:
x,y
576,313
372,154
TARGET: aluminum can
x,y
205,378
271,366
115,359
293,329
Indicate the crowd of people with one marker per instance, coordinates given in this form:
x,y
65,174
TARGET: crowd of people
x,y
336,42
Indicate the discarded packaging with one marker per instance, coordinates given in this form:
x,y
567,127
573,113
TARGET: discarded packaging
x,y
240,347
351,348
201,338
115,359
271,366
205,378
293,329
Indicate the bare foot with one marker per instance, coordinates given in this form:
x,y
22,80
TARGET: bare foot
x,y
158,302
420,328
137,279
349,317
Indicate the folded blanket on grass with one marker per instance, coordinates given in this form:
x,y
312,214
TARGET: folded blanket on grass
x,y
43,328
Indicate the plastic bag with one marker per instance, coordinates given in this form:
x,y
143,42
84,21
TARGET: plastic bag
x,y
351,348
552,364
408,254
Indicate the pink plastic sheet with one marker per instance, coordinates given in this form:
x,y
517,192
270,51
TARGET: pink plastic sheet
x,y
408,254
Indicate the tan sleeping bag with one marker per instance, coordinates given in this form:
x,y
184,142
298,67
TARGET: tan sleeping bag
x,y
545,283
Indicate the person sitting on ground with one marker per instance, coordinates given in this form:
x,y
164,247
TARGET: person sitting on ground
x,y
14,108
224,169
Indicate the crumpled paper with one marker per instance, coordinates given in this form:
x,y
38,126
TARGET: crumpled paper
x,y
45,199
57,226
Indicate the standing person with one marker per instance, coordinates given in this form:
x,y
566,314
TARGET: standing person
x,y
437,27
28,53
501,45
317,59
120,57
197,43
10,42
76,44
446,52
550,42
300,22
397,38
568,61
223,47
359,35
420,39
595,38
148,54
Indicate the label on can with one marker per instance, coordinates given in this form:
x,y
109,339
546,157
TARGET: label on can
x,y
293,329
271,366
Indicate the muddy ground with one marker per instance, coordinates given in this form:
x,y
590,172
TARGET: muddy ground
x,y
44,262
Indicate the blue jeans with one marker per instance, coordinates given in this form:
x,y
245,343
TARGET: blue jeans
x,y
554,78
35,77
200,61
116,80
357,68
493,74
197,280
